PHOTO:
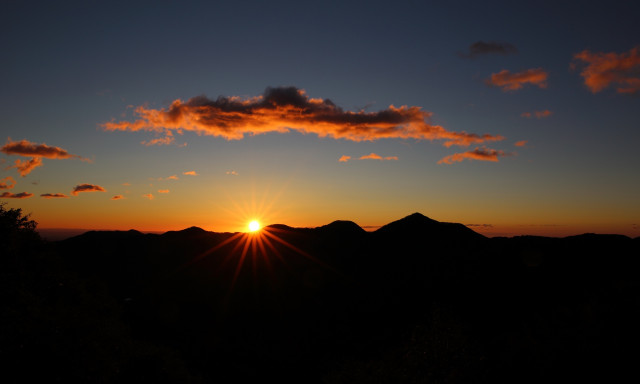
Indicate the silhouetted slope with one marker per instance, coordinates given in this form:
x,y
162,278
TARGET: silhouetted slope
x,y
421,227
416,300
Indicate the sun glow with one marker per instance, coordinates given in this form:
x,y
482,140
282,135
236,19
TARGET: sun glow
x,y
254,225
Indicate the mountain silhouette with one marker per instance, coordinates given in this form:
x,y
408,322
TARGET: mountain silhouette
x,y
415,301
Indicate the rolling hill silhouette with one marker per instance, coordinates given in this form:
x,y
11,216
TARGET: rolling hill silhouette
x,y
415,301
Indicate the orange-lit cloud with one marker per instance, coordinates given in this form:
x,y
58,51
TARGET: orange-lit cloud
x,y
512,81
159,141
148,196
288,108
344,158
126,184
483,154
25,167
29,149
86,188
537,114
7,183
36,152
232,173
521,143
480,48
373,156
117,197
190,173
604,69
21,195
163,191
53,195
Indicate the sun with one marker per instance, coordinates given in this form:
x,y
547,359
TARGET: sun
x,y
254,225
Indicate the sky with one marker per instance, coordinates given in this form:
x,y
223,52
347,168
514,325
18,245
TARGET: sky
x,y
510,117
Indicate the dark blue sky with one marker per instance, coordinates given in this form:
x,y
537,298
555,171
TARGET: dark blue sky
x,y
68,68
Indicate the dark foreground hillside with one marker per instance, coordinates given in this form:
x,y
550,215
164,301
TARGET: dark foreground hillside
x,y
417,301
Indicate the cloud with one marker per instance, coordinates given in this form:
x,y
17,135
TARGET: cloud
x,y
29,149
117,197
537,114
483,154
190,173
7,183
148,196
159,141
284,109
513,81
373,156
126,184
232,173
172,177
25,167
86,188
480,225
36,152
163,191
521,143
480,48
21,195
53,195
604,69
344,158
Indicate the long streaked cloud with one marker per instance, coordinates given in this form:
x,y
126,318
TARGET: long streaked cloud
x,y
163,191
117,197
36,152
508,81
537,114
373,156
87,188
284,109
605,69
482,154
7,183
344,158
21,195
480,48
190,173
53,195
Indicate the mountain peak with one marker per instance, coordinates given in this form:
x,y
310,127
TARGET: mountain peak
x,y
342,226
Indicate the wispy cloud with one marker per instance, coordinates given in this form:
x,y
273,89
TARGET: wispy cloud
x,y
86,188
521,143
21,195
25,167
344,158
7,183
537,114
163,191
190,173
53,195
605,69
148,196
36,152
482,154
288,108
513,81
232,173
480,48
373,156
117,197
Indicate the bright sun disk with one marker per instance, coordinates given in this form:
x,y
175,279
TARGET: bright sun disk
x,y
254,226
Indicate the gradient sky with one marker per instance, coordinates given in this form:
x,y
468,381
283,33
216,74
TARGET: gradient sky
x,y
100,100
